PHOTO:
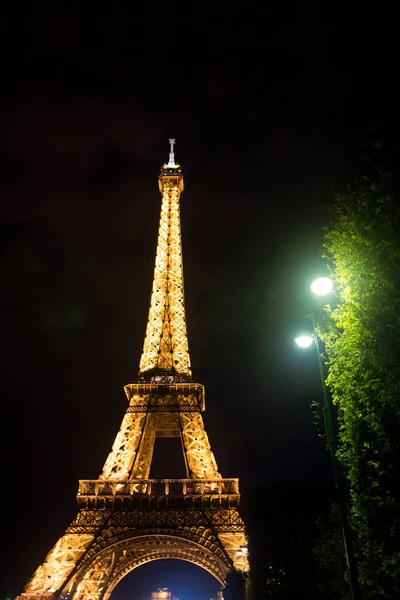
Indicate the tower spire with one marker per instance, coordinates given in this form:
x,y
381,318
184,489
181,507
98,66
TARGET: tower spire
x,y
171,162
165,350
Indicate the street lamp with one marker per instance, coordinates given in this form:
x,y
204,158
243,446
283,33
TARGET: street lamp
x,y
304,341
321,287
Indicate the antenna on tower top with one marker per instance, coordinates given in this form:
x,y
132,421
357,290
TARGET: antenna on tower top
x,y
171,162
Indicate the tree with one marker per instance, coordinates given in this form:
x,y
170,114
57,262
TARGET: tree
x,y
281,530
362,338
330,558
235,588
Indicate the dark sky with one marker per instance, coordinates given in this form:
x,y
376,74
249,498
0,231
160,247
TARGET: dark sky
x,y
266,105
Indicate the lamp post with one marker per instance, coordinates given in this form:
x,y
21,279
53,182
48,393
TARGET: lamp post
x,y
321,287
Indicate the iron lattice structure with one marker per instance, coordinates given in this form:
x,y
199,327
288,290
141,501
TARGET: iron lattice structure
x,y
124,518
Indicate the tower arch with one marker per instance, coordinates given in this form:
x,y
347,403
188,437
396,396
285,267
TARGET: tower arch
x,y
98,575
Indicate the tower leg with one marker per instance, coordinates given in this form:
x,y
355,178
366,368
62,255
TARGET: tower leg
x,y
57,567
199,457
93,585
120,460
144,454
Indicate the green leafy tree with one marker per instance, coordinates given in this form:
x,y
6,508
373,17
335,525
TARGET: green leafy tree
x,y
362,341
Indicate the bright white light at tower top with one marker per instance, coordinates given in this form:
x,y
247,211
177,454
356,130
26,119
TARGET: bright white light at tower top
x,y
171,161
322,286
304,341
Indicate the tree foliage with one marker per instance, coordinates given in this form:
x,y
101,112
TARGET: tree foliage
x,y
236,587
362,338
281,530
330,558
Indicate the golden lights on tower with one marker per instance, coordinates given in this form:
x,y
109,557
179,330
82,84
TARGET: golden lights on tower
x,y
165,346
126,519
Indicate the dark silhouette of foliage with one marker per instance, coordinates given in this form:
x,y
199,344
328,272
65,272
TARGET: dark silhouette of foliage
x,y
281,530
332,583
235,588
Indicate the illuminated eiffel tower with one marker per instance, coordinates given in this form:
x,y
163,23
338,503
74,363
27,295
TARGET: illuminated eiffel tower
x,y
124,518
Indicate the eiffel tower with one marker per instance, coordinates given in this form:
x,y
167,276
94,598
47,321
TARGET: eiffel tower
x,y
124,518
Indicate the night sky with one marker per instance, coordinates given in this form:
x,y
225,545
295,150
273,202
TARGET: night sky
x,y
267,105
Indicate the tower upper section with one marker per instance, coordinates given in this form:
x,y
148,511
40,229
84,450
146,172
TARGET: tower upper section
x,y
165,354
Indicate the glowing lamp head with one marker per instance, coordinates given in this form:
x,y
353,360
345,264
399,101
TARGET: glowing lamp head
x,y
322,286
304,341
